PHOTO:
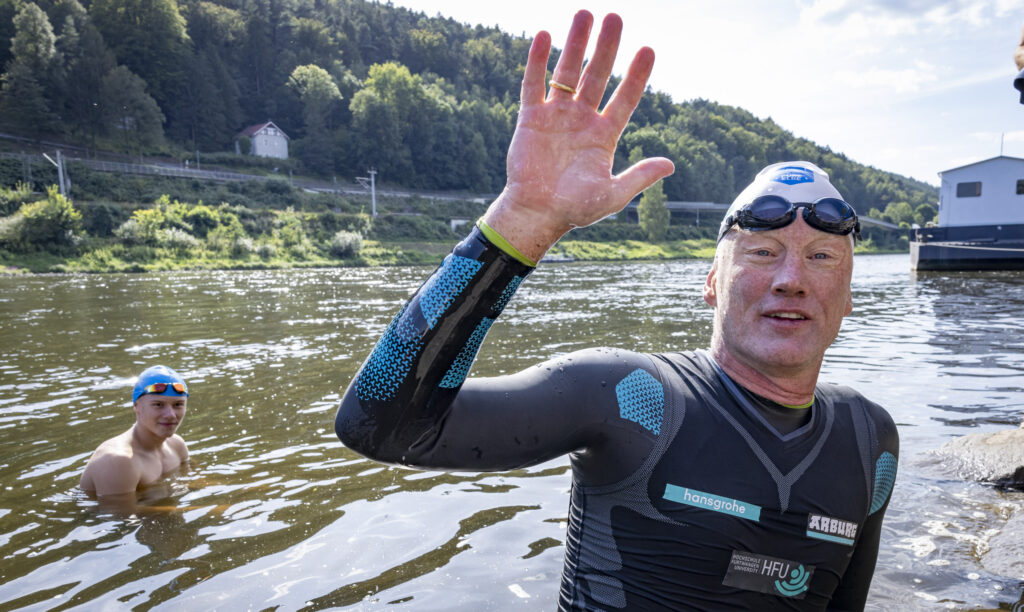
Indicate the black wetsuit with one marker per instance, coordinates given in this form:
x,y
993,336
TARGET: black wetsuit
x,y
684,496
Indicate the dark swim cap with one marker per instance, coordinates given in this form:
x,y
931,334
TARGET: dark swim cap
x,y
158,374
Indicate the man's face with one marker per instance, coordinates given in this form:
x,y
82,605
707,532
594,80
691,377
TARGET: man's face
x,y
160,415
779,297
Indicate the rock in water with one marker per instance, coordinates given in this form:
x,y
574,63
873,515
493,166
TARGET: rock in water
x,y
1006,550
987,457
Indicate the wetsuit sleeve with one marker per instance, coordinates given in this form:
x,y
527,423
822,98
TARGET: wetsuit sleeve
x,y
410,403
852,592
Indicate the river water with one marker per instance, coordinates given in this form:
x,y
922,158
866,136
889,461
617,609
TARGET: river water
x,y
274,513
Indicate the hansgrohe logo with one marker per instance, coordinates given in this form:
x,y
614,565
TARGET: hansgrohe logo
x,y
796,584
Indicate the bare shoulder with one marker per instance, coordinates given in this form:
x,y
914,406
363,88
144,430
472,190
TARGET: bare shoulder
x,y
112,468
177,444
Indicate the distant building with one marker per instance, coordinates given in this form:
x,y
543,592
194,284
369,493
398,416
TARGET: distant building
x,y
981,219
267,140
987,192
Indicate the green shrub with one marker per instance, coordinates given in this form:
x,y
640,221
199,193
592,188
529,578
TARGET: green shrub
x,y
51,225
12,231
266,251
12,198
102,218
323,226
202,218
404,227
243,247
130,233
223,237
139,253
179,240
346,244
290,230
143,228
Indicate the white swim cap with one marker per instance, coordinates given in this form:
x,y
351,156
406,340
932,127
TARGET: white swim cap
x,y
796,181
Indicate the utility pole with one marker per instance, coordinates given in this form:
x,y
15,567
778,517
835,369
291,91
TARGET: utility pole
x,y
61,181
363,180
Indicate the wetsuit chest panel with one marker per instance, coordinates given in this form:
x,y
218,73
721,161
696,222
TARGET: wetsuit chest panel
x,y
715,497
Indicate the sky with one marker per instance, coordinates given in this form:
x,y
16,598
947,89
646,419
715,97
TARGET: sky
x,y
913,87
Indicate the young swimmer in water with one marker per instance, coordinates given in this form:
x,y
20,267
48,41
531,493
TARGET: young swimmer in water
x,y
150,448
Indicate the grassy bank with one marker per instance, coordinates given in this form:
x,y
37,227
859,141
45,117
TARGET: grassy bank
x,y
118,258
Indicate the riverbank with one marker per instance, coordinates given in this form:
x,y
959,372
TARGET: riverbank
x,y
114,259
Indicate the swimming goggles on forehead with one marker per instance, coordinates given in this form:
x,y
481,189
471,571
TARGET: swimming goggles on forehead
x,y
770,212
162,386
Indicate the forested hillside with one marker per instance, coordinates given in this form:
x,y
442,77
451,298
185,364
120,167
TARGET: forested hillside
x,y
427,101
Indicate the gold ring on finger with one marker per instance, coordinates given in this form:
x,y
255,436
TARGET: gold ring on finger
x,y
562,86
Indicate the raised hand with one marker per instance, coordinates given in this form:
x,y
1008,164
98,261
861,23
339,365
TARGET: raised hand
x,y
560,159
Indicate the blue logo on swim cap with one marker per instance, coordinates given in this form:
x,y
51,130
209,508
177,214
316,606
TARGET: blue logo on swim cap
x,y
791,175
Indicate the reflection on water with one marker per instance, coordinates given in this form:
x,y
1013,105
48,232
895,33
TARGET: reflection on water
x,y
274,512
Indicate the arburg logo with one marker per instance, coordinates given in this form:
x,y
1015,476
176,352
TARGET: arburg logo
x,y
831,529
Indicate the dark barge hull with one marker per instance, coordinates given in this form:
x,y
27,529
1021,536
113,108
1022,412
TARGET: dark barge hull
x,y
974,247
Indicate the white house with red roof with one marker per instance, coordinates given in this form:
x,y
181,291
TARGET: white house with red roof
x,y
267,139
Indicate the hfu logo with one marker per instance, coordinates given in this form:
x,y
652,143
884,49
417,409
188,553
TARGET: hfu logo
x,y
798,578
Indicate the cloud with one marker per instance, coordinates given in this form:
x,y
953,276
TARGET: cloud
x,y
887,17
893,81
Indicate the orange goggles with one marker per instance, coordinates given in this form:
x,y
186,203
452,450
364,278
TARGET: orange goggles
x,y
162,386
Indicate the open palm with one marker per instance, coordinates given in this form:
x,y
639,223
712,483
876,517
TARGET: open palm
x,y
560,160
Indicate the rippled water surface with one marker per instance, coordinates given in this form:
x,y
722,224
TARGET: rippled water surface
x,y
274,513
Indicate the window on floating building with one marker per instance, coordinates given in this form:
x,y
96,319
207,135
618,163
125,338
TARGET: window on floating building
x,y
1020,186
968,190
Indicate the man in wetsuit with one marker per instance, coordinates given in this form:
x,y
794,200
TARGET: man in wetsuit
x,y
718,479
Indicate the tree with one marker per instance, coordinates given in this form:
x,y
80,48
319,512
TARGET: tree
x,y
23,98
23,104
130,111
653,213
8,9
318,93
149,37
34,44
86,61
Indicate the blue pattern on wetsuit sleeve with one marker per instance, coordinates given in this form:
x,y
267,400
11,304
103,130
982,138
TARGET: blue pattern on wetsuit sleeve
x,y
391,359
641,400
440,291
457,373
402,342
506,295
885,476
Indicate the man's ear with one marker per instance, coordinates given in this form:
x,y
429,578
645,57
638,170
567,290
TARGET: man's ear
x,y
710,290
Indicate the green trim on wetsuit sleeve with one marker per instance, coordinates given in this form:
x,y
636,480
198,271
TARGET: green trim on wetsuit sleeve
x,y
499,241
